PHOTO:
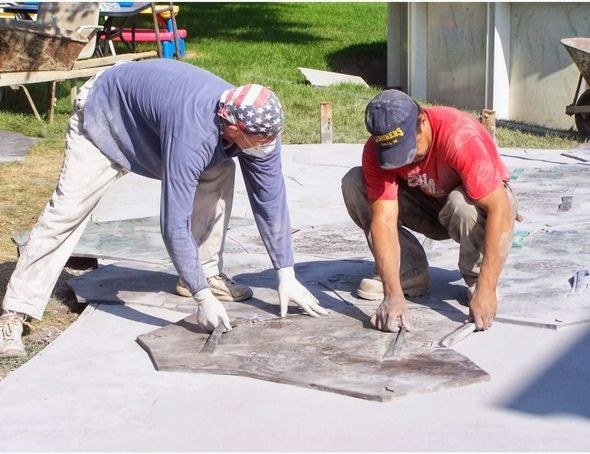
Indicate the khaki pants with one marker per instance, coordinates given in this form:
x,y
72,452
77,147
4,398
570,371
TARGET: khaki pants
x,y
85,176
456,217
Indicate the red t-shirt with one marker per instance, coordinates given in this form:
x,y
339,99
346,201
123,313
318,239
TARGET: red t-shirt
x,y
462,153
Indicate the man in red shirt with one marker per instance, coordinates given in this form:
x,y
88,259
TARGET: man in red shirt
x,y
435,171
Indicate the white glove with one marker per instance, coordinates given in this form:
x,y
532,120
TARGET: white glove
x,y
210,310
290,289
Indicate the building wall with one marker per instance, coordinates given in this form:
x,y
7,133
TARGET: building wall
x,y
457,54
543,77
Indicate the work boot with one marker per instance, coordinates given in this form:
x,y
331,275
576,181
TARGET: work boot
x,y
222,287
413,270
372,288
11,333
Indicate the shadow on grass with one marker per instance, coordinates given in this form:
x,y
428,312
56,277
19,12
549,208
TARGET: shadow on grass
x,y
253,22
15,101
368,61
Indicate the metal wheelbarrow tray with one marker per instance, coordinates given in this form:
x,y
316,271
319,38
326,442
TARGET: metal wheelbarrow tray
x,y
579,50
29,46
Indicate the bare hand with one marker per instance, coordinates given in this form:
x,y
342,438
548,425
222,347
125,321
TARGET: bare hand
x,y
482,308
391,315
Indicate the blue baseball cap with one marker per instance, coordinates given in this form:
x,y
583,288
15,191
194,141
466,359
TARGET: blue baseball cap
x,y
390,117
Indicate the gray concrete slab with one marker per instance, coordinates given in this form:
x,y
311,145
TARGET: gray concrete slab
x,y
549,246
14,146
95,389
131,196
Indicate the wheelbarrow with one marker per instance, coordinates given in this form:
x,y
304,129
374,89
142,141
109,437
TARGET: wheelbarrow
x,y
29,46
579,50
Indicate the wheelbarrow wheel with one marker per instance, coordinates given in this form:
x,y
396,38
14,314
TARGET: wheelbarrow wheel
x,y
583,119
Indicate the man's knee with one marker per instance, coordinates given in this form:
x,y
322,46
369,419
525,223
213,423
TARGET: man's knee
x,y
353,183
218,176
459,208
227,167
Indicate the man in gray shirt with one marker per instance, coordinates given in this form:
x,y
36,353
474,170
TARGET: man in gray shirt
x,y
182,125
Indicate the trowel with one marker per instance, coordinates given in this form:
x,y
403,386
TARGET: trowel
x,y
214,338
396,345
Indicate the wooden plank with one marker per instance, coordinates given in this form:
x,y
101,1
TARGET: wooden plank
x,y
570,110
156,30
22,78
31,103
85,68
51,101
111,60
73,92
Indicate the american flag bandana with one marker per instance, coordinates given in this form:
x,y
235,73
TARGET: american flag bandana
x,y
254,109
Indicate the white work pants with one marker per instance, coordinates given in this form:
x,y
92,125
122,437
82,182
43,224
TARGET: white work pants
x,y
85,176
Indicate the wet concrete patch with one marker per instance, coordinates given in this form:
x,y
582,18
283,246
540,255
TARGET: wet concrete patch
x,y
335,353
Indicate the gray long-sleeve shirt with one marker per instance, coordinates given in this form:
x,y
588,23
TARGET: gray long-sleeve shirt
x,y
158,118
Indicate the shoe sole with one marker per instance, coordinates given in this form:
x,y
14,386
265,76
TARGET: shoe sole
x,y
233,299
182,291
409,292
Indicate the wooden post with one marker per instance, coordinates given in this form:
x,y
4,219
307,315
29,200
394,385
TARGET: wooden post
x,y
31,103
73,92
488,119
326,122
51,100
174,30
156,30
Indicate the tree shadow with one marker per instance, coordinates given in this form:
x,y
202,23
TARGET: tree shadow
x,y
250,22
368,61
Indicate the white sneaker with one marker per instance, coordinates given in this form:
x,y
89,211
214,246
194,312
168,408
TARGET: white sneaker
x,y
372,288
222,287
11,333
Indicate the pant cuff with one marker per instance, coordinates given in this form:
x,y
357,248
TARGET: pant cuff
x,y
210,271
25,308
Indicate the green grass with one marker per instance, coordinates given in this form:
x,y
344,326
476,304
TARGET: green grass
x,y
265,43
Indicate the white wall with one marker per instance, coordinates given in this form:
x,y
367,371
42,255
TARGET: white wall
x,y
457,54
543,77
452,46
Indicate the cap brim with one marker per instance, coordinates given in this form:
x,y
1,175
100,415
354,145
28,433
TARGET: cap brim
x,y
399,155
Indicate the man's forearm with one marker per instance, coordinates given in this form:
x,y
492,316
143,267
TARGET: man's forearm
x,y
498,238
386,249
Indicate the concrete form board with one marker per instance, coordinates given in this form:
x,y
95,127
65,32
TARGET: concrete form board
x,y
326,78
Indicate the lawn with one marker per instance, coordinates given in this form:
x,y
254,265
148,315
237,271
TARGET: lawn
x,y
241,42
